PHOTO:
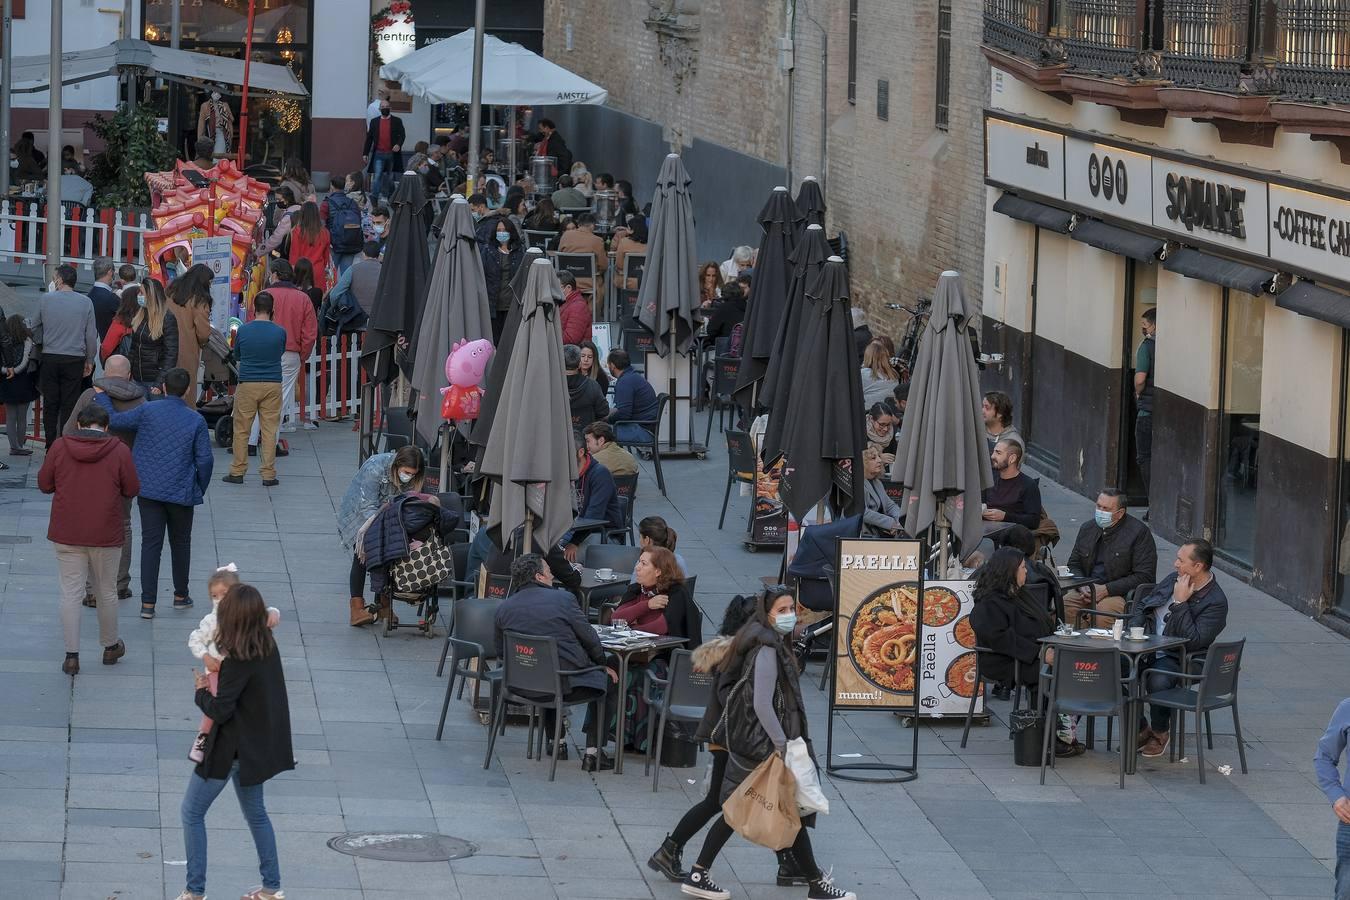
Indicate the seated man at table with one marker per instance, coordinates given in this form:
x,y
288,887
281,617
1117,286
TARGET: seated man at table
x,y
1117,552
634,399
604,448
1187,604
1015,498
536,607
599,499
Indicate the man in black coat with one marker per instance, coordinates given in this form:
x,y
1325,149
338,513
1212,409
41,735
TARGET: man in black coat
x,y
727,312
383,150
103,296
1117,552
549,143
536,607
1187,604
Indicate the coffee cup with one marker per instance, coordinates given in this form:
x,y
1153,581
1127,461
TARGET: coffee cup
x,y
1137,633
604,574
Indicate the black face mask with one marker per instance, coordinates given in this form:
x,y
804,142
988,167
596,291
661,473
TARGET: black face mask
x,y
384,113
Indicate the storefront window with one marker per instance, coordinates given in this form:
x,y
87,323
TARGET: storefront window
x,y
224,21
1143,295
1240,424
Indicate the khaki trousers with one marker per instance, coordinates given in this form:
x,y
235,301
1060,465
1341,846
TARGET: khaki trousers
x,y
123,563
97,566
1079,599
261,399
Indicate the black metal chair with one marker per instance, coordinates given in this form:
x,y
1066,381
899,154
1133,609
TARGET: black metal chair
x,y
724,371
652,427
1088,683
626,487
633,266
619,557
530,671
740,467
684,697
496,587
982,679
1215,688
581,265
545,240
398,429
1132,602
473,639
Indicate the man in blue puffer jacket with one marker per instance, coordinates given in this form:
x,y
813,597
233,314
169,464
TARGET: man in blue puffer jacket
x,y
173,460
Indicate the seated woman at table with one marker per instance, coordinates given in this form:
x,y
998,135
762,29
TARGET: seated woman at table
x,y
657,601
654,532
881,514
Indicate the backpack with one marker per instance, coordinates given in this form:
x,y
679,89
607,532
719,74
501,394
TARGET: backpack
x,y
344,224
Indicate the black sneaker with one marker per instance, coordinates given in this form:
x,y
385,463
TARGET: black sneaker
x,y
182,603
666,860
233,479
698,884
562,749
790,874
823,889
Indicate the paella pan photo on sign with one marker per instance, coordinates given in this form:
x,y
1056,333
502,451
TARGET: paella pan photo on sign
x,y
940,606
882,640
961,675
964,633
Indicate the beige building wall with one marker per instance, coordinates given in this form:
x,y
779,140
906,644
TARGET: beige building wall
x,y
1300,403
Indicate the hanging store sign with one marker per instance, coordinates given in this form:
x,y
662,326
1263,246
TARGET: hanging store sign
x,y
1261,218
395,31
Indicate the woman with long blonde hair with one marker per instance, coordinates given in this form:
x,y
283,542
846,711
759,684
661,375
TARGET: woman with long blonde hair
x,y
879,376
154,338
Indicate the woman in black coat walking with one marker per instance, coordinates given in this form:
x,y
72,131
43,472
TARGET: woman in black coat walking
x,y
755,710
250,743
502,253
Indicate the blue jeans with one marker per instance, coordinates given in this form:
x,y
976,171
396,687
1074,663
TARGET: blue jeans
x,y
479,552
343,261
382,173
1159,676
632,434
201,793
1342,861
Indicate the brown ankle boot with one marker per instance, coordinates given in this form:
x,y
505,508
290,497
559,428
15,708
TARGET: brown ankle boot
x,y
360,615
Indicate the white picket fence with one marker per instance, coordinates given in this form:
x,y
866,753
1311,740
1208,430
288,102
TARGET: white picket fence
x,y
99,233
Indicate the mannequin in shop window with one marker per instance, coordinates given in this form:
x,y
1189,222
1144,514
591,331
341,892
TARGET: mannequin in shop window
x,y
215,123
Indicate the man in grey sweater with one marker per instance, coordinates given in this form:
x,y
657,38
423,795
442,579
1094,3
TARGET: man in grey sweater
x,y
66,331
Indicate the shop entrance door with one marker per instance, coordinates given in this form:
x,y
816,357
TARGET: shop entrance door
x,y
1238,465
1141,293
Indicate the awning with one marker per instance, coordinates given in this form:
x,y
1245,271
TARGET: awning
x,y
1118,240
512,76
33,73
1307,299
1038,214
1216,270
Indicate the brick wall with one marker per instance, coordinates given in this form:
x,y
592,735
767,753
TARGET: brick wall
x,y
910,197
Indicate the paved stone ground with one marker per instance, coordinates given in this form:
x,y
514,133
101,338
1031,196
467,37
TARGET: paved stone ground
x,y
92,770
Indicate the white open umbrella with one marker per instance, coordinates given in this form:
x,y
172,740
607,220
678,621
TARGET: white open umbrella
x,y
512,76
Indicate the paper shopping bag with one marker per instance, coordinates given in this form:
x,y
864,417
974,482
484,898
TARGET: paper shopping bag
x,y
763,809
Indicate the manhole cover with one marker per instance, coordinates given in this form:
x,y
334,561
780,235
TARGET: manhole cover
x,y
402,846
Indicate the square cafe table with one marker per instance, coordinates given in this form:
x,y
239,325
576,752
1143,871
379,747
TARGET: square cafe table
x,y
590,582
624,650
1134,651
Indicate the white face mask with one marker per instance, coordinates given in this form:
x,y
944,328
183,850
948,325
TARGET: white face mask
x,y
404,478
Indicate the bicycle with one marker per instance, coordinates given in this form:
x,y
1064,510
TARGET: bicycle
x,y
908,350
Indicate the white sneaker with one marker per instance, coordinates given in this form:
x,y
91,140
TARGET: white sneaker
x,y
288,428
310,426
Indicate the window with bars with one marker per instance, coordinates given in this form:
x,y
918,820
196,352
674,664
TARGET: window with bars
x,y
944,65
853,52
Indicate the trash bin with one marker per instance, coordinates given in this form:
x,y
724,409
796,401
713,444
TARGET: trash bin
x,y
1028,728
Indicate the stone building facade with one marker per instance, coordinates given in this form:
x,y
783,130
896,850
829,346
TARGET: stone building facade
x,y
907,193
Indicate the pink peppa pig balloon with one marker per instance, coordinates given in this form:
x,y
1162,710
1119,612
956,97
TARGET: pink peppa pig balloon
x,y
464,369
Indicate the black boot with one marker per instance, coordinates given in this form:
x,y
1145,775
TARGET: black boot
x,y
789,872
666,860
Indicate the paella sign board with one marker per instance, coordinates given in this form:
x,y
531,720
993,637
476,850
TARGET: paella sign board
x,y
947,654
878,633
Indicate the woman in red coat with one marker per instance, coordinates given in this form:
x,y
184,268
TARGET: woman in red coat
x,y
309,240
575,313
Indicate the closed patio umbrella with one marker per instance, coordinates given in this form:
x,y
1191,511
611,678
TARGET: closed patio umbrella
x,y
811,201
768,293
669,292
822,414
456,309
784,366
501,357
402,289
530,457
941,458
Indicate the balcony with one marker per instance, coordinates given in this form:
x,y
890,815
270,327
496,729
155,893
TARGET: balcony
x,y
1290,49
1017,38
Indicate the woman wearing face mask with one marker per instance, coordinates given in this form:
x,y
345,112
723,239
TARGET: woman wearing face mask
x,y
761,716
383,476
501,257
154,338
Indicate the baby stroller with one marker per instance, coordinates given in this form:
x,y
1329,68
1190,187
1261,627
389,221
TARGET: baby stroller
x,y
219,374
407,553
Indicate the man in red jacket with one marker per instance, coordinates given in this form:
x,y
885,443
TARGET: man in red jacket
x,y
294,312
91,473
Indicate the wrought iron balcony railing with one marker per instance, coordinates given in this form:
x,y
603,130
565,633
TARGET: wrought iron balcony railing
x,y
1206,43
1312,49
1020,27
1106,36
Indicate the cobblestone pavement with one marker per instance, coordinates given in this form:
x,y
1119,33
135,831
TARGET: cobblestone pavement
x,y
92,769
